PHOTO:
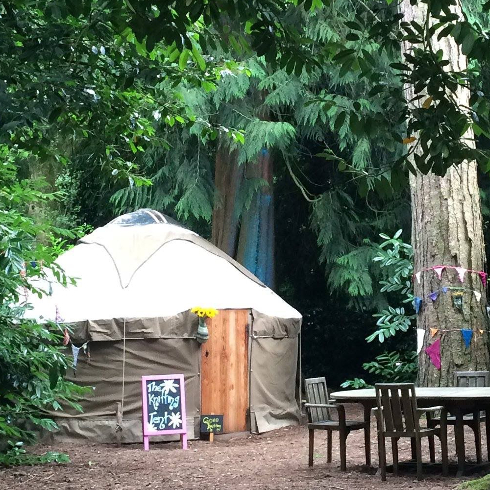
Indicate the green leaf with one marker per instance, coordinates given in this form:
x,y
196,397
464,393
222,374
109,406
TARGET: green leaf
x,y
343,54
198,58
184,56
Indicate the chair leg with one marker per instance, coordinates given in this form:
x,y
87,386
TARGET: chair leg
x,y
382,455
367,433
311,446
432,450
343,448
418,450
477,430
443,437
487,431
394,450
329,446
412,448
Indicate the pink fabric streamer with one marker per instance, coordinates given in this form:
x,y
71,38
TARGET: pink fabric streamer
x,y
461,272
434,353
438,270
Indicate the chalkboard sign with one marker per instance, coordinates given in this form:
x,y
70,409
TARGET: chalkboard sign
x,y
163,407
211,424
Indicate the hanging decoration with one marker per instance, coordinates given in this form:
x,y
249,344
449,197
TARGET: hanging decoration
x,y
202,334
75,351
420,339
66,337
461,272
434,353
467,336
458,300
483,277
433,296
417,303
477,295
433,331
438,269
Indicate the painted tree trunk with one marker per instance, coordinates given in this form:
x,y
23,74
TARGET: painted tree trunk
x,y
447,230
228,177
256,242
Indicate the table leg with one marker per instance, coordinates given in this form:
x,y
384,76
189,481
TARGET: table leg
x,y
459,439
367,433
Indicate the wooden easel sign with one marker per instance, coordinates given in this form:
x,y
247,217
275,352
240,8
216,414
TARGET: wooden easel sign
x,y
163,407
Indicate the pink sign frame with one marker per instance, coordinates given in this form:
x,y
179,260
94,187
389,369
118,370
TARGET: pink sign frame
x,y
147,431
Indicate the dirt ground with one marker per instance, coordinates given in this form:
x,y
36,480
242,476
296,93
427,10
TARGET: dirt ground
x,y
275,460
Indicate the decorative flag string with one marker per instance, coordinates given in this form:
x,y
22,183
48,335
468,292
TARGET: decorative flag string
x,y
461,271
456,293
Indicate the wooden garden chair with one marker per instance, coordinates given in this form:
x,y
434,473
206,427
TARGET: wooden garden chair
x,y
397,416
319,409
471,379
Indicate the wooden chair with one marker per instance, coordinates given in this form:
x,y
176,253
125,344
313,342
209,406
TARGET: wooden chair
x,y
471,379
397,416
319,408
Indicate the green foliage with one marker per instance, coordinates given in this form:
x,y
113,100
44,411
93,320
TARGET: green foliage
x,y
478,484
16,455
393,367
32,364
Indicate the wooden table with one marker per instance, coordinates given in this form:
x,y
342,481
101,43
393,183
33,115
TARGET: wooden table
x,y
457,401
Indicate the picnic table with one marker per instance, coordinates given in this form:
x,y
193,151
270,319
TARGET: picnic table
x,y
457,401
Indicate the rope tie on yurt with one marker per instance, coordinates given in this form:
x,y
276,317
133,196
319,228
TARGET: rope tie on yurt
x,y
121,411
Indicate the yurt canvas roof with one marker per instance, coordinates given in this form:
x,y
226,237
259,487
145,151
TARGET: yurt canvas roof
x,y
145,265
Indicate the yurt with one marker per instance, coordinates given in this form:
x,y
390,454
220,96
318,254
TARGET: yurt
x,y
129,315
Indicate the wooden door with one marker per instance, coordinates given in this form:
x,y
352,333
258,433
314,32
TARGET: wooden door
x,y
224,369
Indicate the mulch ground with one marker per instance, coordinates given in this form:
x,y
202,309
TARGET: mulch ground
x,y
275,460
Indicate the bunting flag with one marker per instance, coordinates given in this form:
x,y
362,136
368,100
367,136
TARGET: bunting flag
x,y
477,295
417,275
483,277
433,331
75,351
444,289
433,296
438,270
458,300
417,303
434,353
481,331
467,336
420,339
461,272
57,317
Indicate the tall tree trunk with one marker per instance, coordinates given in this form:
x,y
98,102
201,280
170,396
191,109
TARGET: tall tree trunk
x,y
447,230
228,176
256,243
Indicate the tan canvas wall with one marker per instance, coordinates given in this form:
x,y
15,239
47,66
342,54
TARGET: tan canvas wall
x,y
104,371
274,372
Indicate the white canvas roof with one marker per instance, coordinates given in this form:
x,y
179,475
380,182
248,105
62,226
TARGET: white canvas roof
x,y
151,270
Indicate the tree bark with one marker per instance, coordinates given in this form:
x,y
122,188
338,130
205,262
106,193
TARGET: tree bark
x,y
447,230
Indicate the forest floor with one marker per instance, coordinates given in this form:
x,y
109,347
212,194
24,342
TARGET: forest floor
x,y
274,460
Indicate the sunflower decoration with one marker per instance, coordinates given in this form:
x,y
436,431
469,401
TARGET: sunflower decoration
x,y
202,334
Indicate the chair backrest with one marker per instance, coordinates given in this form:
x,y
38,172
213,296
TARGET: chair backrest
x,y
472,379
397,407
316,392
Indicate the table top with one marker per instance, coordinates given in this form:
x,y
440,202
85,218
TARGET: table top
x,y
452,393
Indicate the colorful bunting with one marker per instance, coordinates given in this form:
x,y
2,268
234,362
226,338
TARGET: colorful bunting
x,y
467,336
444,289
461,272
438,270
434,353
75,351
417,303
483,277
477,295
433,331
66,337
420,339
481,331
433,296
